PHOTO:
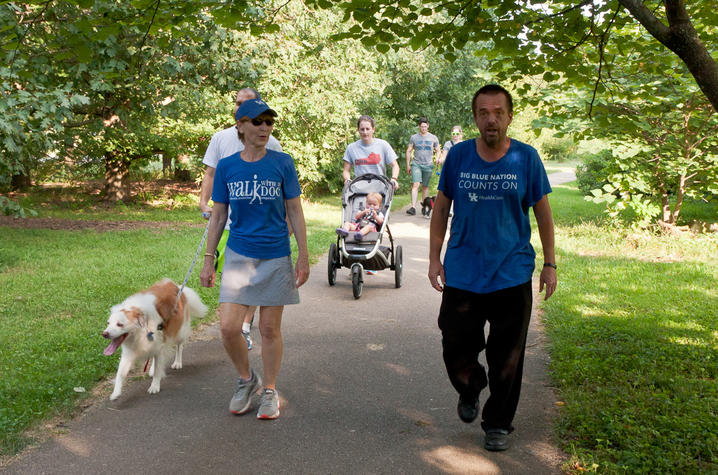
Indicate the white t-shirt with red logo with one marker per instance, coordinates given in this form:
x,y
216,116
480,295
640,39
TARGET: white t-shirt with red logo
x,y
372,158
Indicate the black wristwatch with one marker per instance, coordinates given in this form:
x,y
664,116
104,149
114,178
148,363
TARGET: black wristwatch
x,y
549,264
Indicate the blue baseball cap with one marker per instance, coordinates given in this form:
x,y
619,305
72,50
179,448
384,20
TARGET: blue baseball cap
x,y
253,108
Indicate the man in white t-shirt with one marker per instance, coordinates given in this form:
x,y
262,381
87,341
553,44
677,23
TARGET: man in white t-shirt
x,y
223,144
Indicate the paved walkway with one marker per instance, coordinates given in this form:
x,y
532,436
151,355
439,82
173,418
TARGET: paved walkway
x,y
362,388
562,177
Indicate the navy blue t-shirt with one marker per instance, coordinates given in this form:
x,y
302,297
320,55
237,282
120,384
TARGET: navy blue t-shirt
x,y
255,192
489,246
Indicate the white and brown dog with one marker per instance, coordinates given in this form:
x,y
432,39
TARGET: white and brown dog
x,y
148,325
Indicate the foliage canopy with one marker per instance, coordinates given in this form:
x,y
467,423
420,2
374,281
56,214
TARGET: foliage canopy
x,y
662,130
104,86
533,37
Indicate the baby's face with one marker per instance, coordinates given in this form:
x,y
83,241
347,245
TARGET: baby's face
x,y
372,203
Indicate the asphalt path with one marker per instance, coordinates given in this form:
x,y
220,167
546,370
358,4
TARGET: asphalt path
x,y
362,390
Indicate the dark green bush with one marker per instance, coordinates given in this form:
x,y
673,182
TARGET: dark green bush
x,y
592,171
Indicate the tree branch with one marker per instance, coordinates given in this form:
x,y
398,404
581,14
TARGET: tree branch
x,y
680,36
601,45
445,27
276,11
561,13
646,18
22,39
144,38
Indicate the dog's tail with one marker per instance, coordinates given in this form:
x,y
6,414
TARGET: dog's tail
x,y
193,303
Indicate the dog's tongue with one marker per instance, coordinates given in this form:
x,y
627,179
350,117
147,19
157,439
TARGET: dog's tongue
x,y
112,347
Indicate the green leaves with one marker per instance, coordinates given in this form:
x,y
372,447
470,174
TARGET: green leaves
x,y
560,37
91,77
648,106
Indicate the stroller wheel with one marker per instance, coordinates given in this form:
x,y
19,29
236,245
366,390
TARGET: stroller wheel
x,y
332,261
398,266
357,280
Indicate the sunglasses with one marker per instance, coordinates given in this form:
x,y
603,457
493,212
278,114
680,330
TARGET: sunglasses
x,y
455,133
258,122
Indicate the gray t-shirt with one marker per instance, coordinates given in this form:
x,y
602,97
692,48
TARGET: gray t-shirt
x,y
424,146
372,158
448,145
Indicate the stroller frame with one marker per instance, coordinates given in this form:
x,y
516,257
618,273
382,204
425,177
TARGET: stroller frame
x,y
367,253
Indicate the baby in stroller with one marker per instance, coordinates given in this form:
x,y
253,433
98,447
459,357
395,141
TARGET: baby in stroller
x,y
366,210
365,221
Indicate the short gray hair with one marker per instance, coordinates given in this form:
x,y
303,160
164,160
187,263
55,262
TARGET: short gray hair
x,y
251,90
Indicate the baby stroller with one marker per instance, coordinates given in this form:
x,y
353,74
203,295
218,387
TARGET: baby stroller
x,y
368,253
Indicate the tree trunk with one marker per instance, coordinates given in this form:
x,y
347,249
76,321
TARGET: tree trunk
x,y
20,181
679,199
166,164
665,207
117,171
661,185
181,172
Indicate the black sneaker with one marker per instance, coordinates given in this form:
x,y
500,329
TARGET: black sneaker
x,y
468,409
411,211
497,440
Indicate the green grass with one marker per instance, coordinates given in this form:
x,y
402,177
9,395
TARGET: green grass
x,y
634,345
81,202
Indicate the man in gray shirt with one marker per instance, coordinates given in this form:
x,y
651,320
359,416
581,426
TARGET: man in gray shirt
x,y
423,145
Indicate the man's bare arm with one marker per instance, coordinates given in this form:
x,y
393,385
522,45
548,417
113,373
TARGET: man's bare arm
x,y
206,190
544,220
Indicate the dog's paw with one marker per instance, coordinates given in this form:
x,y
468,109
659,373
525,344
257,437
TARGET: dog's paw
x,y
176,365
114,396
154,388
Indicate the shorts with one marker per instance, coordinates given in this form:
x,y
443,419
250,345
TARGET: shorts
x,y
421,173
262,282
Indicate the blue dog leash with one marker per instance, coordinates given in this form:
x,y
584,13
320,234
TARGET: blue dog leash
x,y
194,261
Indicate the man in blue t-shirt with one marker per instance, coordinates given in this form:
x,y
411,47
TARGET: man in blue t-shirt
x,y
492,182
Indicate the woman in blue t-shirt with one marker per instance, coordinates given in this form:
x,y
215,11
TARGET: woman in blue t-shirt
x,y
261,188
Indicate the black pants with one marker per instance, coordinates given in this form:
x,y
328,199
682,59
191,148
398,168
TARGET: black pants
x,y
462,318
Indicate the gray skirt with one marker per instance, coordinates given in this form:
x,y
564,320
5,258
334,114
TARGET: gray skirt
x,y
262,282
